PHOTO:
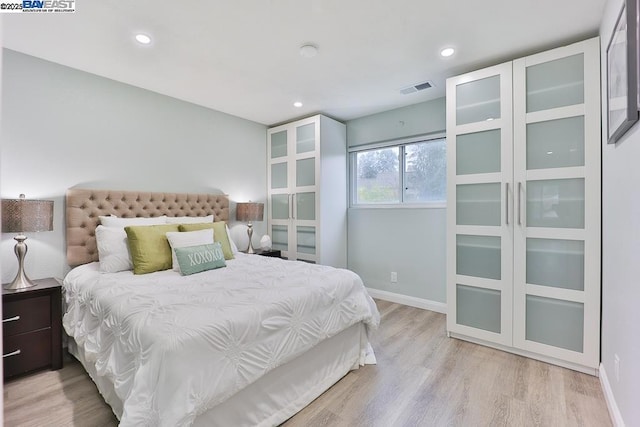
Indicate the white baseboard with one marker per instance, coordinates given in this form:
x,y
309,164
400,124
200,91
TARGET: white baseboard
x,y
614,412
439,307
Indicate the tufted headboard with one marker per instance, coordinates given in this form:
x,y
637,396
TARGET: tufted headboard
x,y
84,206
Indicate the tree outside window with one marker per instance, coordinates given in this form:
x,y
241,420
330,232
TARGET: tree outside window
x,y
425,172
378,178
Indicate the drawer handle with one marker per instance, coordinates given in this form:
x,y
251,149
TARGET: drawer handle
x,y
13,353
11,319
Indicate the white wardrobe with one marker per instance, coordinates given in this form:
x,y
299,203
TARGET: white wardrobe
x,y
523,208
307,189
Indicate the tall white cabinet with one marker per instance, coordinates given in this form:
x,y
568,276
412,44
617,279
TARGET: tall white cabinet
x,y
523,212
307,189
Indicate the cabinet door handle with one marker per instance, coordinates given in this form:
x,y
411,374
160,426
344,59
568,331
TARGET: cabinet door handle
x,y
506,203
520,203
13,353
11,319
294,199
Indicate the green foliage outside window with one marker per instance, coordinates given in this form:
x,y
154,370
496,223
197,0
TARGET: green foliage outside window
x,y
378,177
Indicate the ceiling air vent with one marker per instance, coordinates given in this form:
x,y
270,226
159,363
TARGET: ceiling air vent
x,y
417,87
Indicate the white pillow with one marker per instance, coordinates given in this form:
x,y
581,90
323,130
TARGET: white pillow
x,y
114,221
189,219
113,250
234,248
182,239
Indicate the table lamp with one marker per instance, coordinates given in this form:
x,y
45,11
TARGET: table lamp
x,y
249,212
23,216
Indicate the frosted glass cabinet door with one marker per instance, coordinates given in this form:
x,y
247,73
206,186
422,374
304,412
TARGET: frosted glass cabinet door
x,y
555,143
555,322
478,100
556,203
478,256
305,206
479,169
280,206
280,237
278,175
478,152
279,144
306,138
478,204
554,84
478,308
557,146
306,239
306,172
555,263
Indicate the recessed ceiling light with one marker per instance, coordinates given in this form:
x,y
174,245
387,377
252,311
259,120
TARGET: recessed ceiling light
x,y
447,51
297,104
143,38
308,51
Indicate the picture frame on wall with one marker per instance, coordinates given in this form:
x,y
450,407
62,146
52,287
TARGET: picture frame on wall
x,y
622,73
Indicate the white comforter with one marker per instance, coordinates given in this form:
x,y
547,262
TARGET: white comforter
x,y
177,346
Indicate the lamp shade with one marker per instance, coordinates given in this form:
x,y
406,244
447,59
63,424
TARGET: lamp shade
x,y
22,215
249,211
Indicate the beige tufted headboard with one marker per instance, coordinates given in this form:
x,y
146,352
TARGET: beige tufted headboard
x,y
84,206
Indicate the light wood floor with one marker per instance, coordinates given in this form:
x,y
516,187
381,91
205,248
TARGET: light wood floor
x,y
422,378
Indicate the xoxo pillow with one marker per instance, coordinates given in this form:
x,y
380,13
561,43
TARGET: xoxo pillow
x,y
194,259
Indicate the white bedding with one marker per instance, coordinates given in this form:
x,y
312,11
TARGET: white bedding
x,y
175,346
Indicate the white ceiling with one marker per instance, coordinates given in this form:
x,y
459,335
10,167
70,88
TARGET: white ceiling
x,y
241,57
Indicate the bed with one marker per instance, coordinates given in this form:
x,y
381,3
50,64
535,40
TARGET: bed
x,y
248,344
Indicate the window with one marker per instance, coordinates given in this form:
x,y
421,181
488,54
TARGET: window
x,y
377,178
409,173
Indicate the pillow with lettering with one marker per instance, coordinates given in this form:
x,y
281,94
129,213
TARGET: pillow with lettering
x,y
179,239
194,259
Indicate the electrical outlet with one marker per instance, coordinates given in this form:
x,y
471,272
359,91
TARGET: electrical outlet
x,y
616,367
394,277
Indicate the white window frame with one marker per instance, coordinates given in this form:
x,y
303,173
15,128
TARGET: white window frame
x,y
400,143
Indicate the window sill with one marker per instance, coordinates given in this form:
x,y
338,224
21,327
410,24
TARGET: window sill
x,y
432,205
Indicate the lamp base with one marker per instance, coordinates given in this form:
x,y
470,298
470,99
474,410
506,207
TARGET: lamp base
x,y
21,280
250,233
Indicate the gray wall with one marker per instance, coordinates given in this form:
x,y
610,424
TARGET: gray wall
x,y
418,119
409,241
66,128
620,252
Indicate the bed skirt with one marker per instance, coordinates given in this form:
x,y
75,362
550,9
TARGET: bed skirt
x,y
279,394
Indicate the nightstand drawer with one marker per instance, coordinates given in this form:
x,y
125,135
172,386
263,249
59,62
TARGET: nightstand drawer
x,y
32,328
26,352
26,315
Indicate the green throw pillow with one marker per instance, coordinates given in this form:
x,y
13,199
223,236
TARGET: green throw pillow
x,y
149,247
219,235
194,259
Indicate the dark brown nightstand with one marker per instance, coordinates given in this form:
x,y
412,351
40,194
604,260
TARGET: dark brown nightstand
x,y
275,253
32,328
